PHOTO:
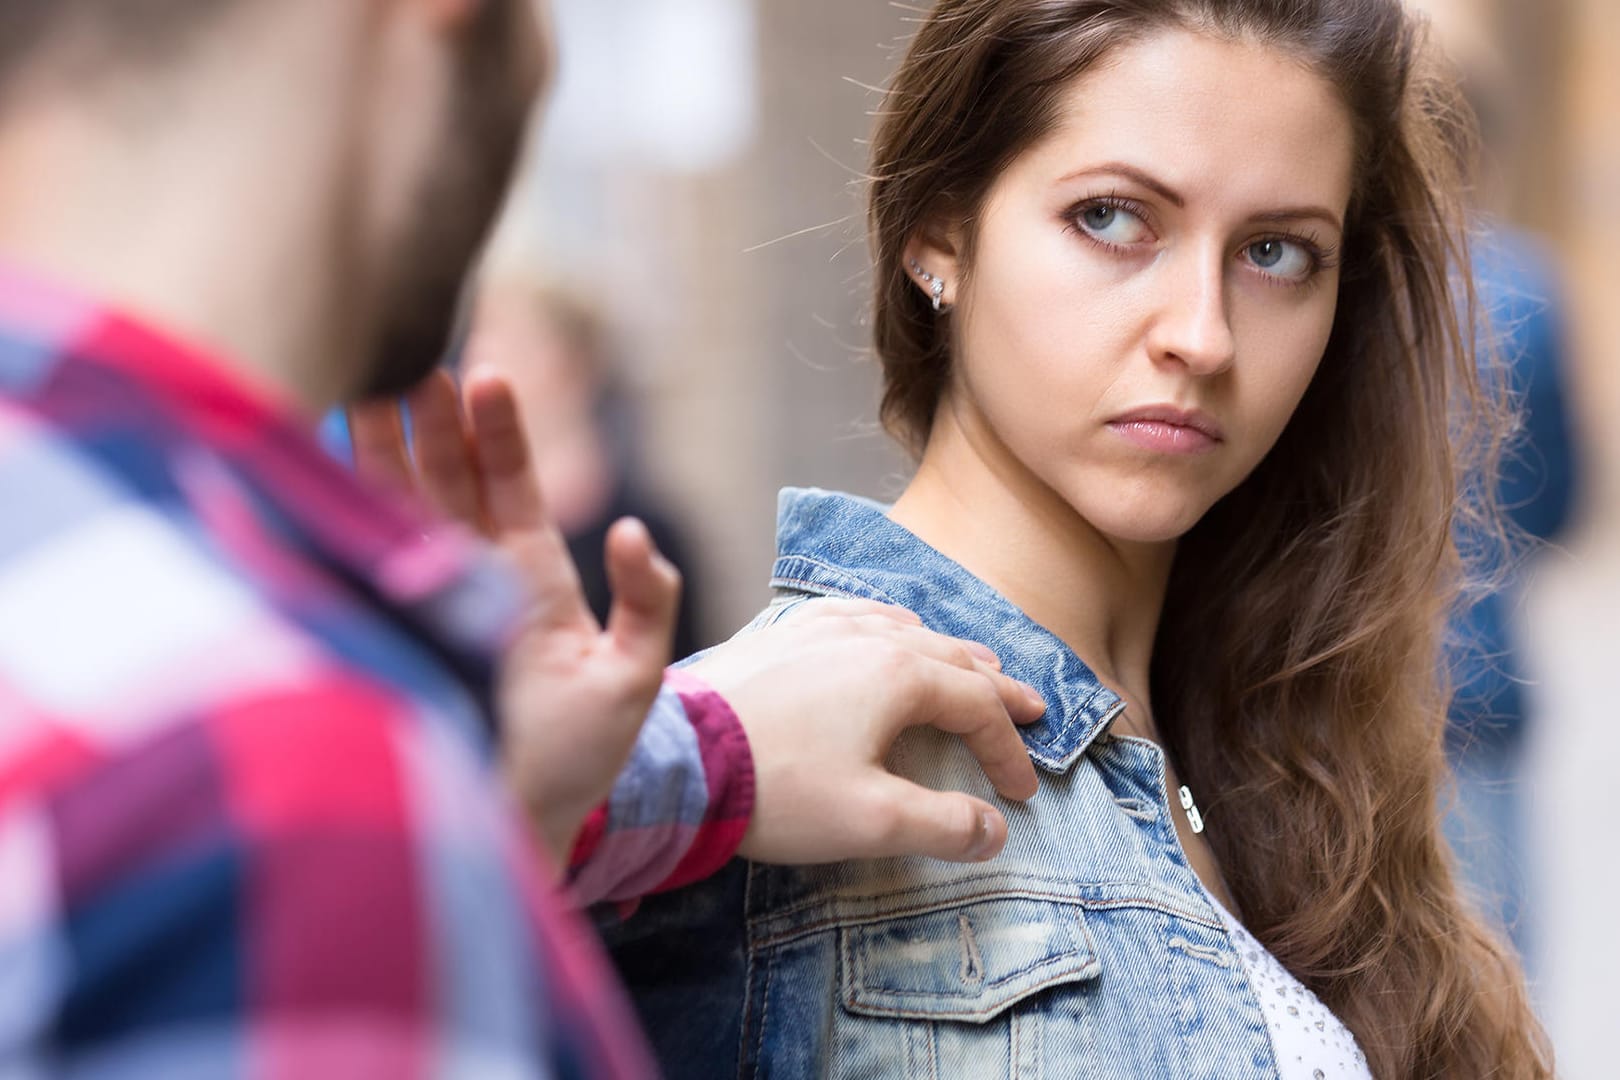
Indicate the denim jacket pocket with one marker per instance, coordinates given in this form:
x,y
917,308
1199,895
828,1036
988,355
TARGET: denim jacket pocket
x,y
969,962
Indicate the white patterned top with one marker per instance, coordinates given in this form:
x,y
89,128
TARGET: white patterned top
x,y
1309,1041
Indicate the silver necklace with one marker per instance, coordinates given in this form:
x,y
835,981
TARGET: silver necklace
x,y
1189,806
1194,818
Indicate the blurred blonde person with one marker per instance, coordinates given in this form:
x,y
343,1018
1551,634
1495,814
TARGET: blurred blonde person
x,y
558,351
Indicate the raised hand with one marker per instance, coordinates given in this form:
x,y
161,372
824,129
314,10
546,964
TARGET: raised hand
x,y
573,694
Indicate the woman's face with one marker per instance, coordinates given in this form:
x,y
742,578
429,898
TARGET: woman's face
x,y
1154,283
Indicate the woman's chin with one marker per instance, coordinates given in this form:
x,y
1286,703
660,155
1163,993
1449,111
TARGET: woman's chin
x,y
1159,522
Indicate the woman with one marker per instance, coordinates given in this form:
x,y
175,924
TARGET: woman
x,y
1163,306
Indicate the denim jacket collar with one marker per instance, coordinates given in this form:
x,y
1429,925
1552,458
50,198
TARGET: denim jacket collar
x,y
841,545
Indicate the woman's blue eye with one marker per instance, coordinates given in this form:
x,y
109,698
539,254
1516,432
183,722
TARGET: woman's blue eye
x,y
1113,224
1284,259
1099,218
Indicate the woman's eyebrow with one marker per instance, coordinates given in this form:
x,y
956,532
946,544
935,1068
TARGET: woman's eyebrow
x,y
1130,172
1301,213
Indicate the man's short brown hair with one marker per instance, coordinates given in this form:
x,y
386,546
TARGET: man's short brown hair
x,y
98,37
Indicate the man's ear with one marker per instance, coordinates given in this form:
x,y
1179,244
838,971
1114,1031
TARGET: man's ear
x,y
934,260
450,15
525,28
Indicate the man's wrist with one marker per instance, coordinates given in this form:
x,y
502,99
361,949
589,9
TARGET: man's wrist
x,y
729,770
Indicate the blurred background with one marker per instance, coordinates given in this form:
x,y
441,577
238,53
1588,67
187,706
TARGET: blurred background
x,y
698,178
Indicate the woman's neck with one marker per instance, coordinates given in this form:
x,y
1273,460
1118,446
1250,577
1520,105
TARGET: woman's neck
x,y
976,503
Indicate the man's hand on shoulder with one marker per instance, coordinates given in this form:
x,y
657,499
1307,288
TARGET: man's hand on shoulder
x,y
824,693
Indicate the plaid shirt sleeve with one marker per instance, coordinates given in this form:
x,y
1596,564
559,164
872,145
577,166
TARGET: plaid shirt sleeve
x,y
680,807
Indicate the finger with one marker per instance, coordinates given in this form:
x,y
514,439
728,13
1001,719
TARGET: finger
x,y
938,824
967,704
1021,701
514,508
839,608
511,487
446,460
547,569
646,596
377,434
943,647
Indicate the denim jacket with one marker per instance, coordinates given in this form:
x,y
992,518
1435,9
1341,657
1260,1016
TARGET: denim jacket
x,y
1086,949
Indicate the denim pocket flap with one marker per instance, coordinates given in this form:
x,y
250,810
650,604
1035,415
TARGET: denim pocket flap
x,y
965,962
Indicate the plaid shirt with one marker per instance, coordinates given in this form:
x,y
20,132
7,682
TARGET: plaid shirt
x,y
248,824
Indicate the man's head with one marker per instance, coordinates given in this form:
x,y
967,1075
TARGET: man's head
x,y
60,41
383,133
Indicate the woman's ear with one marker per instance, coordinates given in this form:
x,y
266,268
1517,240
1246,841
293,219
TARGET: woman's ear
x,y
934,263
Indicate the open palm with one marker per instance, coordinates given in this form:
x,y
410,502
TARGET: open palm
x,y
573,694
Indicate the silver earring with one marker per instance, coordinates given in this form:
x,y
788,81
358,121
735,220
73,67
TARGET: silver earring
x,y
937,284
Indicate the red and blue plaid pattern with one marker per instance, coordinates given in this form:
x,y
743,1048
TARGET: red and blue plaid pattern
x,y
248,824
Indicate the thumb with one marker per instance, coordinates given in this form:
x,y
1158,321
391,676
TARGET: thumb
x,y
941,824
646,595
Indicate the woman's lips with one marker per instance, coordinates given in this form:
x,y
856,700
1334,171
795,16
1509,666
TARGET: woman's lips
x,y
1168,430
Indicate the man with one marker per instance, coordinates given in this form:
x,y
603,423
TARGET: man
x,y
250,709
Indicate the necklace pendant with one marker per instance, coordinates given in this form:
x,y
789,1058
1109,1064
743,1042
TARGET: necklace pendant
x,y
1194,818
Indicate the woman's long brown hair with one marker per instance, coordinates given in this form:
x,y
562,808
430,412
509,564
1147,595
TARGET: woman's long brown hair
x,y
1297,675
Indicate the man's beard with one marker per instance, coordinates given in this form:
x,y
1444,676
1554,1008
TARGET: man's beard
x,y
458,203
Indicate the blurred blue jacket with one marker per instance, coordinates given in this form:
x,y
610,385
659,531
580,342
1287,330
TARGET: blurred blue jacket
x,y
1519,294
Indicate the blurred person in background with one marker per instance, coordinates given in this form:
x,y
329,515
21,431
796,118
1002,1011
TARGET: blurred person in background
x,y
555,348
1523,355
285,763
1164,307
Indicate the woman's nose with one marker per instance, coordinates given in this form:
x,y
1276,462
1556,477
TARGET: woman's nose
x,y
1193,328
